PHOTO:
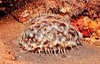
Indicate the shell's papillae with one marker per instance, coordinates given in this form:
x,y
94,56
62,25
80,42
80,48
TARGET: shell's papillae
x,y
50,35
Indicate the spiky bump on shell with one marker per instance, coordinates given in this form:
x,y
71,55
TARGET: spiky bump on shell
x,y
50,35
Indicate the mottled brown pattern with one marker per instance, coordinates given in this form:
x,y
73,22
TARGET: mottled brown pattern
x,y
50,35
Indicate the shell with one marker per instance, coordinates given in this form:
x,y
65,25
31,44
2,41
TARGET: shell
x,y
50,35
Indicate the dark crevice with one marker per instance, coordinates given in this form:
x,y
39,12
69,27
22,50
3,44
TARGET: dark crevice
x,y
2,13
